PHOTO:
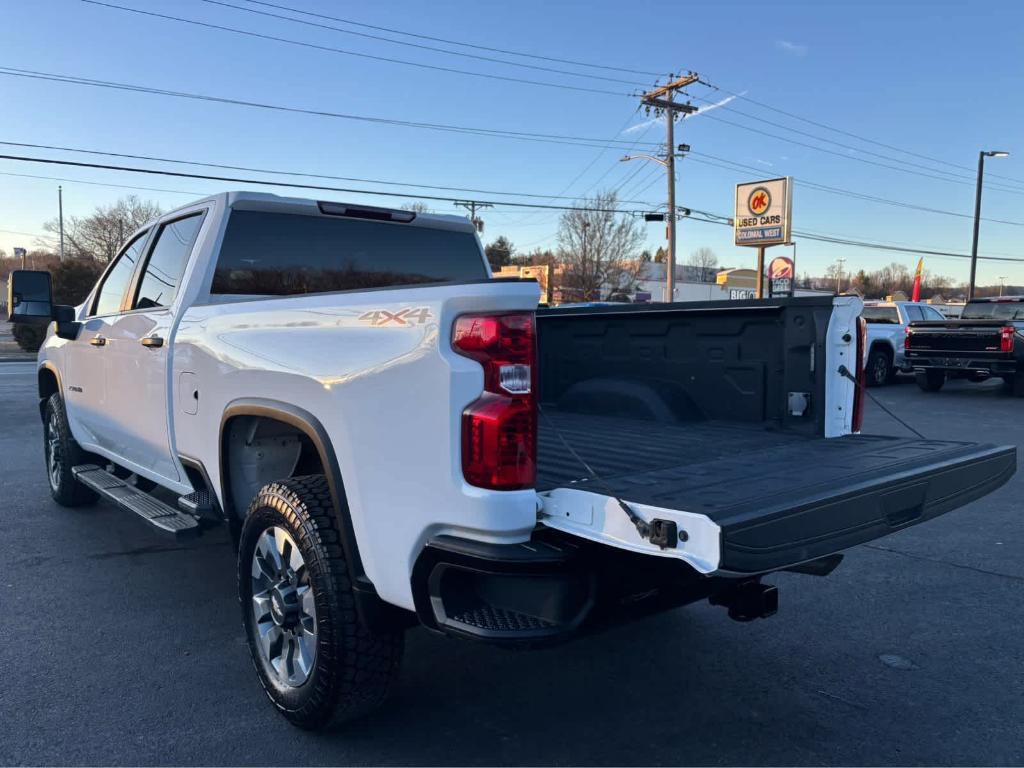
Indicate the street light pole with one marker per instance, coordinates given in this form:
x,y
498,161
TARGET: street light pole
x,y
977,215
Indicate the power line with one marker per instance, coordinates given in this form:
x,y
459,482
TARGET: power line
x,y
857,159
494,132
342,51
842,132
843,145
731,165
455,42
192,193
515,135
264,182
420,45
250,169
697,214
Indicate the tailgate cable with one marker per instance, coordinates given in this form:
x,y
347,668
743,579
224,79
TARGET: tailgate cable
x,y
845,372
659,532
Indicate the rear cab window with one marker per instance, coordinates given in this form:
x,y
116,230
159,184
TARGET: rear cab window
x,y
993,310
886,315
267,253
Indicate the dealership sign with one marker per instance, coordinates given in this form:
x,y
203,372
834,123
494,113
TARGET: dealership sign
x,y
763,212
780,276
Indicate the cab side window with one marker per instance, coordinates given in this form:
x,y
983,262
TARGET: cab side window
x,y
930,313
167,260
115,283
913,313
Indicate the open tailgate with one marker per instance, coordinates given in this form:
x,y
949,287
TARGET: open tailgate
x,y
785,502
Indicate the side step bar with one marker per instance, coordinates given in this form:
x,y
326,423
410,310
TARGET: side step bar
x,y
152,510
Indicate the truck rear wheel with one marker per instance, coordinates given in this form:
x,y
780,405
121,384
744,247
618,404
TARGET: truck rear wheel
x,y
931,381
63,453
879,369
313,656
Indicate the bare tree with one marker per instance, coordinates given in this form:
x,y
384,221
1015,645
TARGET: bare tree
x,y
101,235
705,264
598,250
416,207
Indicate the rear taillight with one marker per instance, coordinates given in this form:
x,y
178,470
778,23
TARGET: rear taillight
x,y
499,430
1006,338
858,391
906,338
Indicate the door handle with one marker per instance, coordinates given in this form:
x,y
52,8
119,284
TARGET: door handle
x,y
98,341
152,342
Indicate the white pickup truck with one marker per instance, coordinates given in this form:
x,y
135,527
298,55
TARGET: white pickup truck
x,y
393,437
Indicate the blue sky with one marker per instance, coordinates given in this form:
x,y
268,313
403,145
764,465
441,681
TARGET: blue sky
x,y
941,80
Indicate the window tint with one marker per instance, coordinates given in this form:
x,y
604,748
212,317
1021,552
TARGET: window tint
x,y
913,313
986,310
167,261
108,300
283,253
887,315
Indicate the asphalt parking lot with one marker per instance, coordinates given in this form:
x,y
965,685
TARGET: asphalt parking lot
x,y
119,647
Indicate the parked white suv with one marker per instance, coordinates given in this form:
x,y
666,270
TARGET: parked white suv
x,y
395,438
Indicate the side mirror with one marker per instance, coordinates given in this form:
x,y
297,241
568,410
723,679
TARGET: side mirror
x,y
29,297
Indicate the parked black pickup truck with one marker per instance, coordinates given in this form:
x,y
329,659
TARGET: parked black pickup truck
x,y
987,340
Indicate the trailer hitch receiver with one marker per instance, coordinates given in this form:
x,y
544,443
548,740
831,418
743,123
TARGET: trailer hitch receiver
x,y
748,600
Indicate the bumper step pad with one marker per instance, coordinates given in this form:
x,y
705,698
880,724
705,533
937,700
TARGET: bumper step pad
x,y
152,510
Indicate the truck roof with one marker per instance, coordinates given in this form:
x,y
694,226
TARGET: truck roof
x,y
266,201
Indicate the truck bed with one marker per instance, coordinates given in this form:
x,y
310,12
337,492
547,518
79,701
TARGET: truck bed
x,y
775,494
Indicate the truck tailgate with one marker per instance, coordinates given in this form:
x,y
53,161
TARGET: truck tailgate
x,y
750,499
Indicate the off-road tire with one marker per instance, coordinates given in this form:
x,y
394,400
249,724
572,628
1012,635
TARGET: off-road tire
x,y
353,669
931,381
879,370
64,454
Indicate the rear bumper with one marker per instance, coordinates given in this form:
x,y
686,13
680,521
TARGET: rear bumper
x,y
548,589
964,363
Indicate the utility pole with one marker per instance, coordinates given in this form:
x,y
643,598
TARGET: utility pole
x,y
60,216
472,206
839,273
661,99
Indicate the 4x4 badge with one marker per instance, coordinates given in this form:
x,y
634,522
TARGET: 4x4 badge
x,y
403,317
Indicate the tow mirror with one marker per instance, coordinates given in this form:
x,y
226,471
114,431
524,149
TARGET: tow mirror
x,y
29,297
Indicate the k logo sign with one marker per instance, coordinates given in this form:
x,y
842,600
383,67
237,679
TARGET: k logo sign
x,y
759,201
763,212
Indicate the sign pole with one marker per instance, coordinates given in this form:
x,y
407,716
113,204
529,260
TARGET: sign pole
x,y
760,273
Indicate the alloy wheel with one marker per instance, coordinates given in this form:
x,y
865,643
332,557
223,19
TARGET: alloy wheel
x,y
54,452
283,609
